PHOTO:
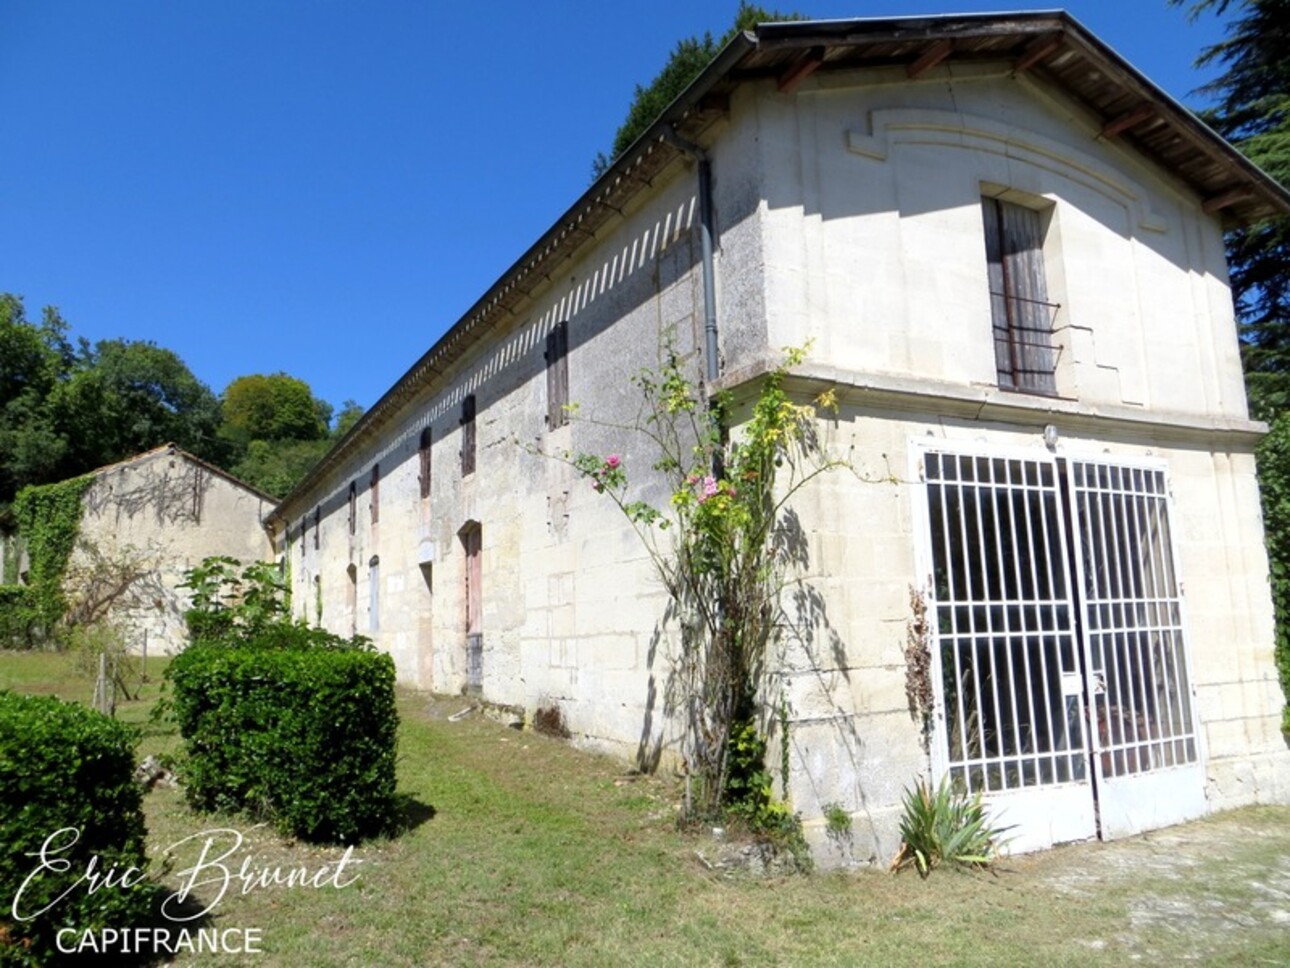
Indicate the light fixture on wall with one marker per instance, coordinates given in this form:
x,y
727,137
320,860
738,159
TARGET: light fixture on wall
x,y
1050,438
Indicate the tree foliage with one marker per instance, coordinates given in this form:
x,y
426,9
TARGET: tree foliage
x,y
690,56
349,414
65,411
274,407
278,429
1253,112
276,466
1274,486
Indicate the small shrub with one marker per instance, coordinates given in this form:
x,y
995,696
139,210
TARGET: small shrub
x,y
304,737
65,766
750,802
945,827
20,620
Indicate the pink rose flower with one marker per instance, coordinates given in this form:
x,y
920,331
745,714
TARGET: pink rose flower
x,y
612,461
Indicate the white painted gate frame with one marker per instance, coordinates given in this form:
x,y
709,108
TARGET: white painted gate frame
x,y
1046,815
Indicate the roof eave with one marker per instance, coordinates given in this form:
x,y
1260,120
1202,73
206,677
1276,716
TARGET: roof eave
x,y
1253,194
653,139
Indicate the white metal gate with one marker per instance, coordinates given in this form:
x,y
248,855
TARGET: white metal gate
x,y
1058,647
1145,746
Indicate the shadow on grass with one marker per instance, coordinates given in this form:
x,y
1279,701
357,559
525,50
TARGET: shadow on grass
x,y
409,814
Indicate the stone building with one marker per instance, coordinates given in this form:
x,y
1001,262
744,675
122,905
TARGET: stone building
x,y
162,512
1004,247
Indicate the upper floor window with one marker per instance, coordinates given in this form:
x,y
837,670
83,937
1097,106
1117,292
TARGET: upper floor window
x,y
317,524
468,435
1024,352
424,478
304,534
374,595
353,506
557,376
376,493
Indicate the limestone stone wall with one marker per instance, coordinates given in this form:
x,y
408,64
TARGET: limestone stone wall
x,y
849,217
168,511
853,738
572,614
874,243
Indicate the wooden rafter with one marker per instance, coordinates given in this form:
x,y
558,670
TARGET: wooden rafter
x,y
1129,119
1233,197
800,70
930,58
1037,51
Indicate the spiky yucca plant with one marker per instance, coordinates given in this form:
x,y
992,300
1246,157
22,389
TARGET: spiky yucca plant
x,y
946,827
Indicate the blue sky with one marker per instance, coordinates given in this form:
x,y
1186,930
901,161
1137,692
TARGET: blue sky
x,y
324,186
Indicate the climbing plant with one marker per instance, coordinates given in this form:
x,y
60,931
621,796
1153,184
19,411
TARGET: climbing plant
x,y
49,519
725,547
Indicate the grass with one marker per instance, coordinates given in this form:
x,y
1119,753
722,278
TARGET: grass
x,y
522,850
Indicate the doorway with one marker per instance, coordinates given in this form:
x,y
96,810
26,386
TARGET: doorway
x,y
472,544
1058,648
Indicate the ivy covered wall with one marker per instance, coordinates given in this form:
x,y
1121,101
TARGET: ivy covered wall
x,y
49,519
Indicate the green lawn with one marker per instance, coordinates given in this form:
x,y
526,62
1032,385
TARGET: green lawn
x,y
525,851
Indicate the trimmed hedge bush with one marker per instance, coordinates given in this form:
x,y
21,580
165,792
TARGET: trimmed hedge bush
x,y
64,765
219,630
302,737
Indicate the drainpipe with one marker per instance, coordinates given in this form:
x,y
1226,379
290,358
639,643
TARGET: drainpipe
x,y
706,234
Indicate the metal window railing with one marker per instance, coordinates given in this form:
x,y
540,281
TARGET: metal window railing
x,y
1025,348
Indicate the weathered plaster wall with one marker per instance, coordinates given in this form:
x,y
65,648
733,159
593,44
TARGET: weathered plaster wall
x,y
873,251
849,216
169,510
874,243
572,612
853,738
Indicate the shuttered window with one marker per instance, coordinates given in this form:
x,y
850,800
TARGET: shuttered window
x,y
557,376
353,507
1024,353
376,493
317,524
424,478
468,435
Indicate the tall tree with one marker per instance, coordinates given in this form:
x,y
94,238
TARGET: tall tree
x,y
1252,111
274,407
33,356
279,429
690,56
348,415
151,397
64,412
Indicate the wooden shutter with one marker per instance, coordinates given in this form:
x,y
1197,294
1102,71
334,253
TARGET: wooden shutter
x,y
468,435
1022,316
557,375
424,478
